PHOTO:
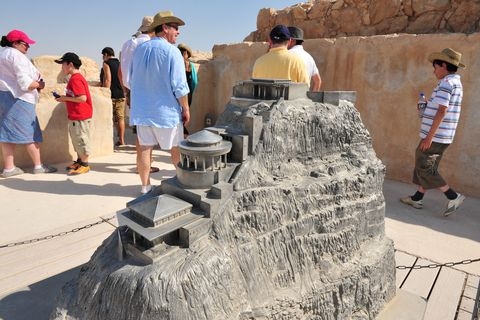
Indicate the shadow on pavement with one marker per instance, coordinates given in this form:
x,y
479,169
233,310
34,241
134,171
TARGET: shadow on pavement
x,y
464,223
37,300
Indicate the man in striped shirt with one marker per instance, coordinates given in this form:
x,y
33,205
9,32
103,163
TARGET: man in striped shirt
x,y
439,123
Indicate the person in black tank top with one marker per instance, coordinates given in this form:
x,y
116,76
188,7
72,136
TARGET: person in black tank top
x,y
109,79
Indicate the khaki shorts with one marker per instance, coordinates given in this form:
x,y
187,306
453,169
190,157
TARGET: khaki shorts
x,y
426,172
118,110
79,131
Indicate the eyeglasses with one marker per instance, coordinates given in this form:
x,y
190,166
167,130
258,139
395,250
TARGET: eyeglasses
x,y
174,26
25,44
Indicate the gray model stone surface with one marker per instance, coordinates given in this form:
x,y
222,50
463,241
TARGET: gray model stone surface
x,y
295,230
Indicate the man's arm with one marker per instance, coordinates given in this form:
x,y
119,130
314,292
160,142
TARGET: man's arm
x,y
315,82
120,77
427,142
183,101
107,76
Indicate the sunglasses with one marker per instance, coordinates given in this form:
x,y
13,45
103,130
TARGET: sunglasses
x,y
174,26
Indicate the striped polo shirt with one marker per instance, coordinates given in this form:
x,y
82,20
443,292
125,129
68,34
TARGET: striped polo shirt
x,y
448,92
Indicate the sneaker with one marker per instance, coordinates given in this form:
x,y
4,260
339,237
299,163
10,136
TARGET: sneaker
x,y
416,204
453,205
15,172
73,166
80,169
45,169
146,189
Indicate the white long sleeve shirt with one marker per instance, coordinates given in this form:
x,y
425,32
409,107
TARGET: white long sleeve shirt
x,y
17,73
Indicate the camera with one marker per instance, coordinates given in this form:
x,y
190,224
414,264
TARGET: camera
x,y
56,95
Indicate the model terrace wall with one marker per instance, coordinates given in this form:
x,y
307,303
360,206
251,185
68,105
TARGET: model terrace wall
x,y
387,72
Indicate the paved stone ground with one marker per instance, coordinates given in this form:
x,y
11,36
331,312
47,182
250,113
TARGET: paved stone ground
x,y
34,206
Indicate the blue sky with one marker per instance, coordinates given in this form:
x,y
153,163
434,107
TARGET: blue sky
x,y
86,27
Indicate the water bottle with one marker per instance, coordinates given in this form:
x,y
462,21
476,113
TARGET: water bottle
x,y
422,104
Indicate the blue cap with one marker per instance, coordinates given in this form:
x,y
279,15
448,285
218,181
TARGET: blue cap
x,y
280,32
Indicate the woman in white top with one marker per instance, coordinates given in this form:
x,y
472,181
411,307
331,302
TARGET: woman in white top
x,y
20,82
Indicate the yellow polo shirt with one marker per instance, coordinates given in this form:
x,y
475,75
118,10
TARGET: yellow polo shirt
x,y
279,63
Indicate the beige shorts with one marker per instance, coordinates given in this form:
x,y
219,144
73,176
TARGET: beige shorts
x,y
79,131
118,109
166,138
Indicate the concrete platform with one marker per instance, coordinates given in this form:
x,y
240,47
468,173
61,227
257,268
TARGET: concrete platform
x,y
38,206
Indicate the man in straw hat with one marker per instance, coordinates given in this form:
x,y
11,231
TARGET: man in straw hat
x,y
159,94
439,122
126,54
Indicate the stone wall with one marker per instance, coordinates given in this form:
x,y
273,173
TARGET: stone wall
x,y
56,146
336,18
387,72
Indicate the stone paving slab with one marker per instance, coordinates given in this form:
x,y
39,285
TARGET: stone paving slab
x,y
33,205
427,233
42,260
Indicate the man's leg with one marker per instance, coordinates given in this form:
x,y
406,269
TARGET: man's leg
x,y
121,131
137,148
416,200
143,164
119,119
175,156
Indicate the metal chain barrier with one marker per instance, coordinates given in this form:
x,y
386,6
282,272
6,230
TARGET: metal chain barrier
x,y
63,233
60,234
436,265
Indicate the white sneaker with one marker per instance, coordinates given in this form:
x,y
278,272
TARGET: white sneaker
x,y
416,204
146,189
453,205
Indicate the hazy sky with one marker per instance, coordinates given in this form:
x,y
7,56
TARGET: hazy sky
x,y
86,27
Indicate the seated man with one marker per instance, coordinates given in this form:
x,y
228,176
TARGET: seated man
x,y
279,63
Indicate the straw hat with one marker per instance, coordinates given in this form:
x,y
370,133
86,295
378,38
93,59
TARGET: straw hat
x,y
146,23
164,17
183,46
447,55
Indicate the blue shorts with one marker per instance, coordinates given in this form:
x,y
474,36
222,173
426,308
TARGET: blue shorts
x,y
18,120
